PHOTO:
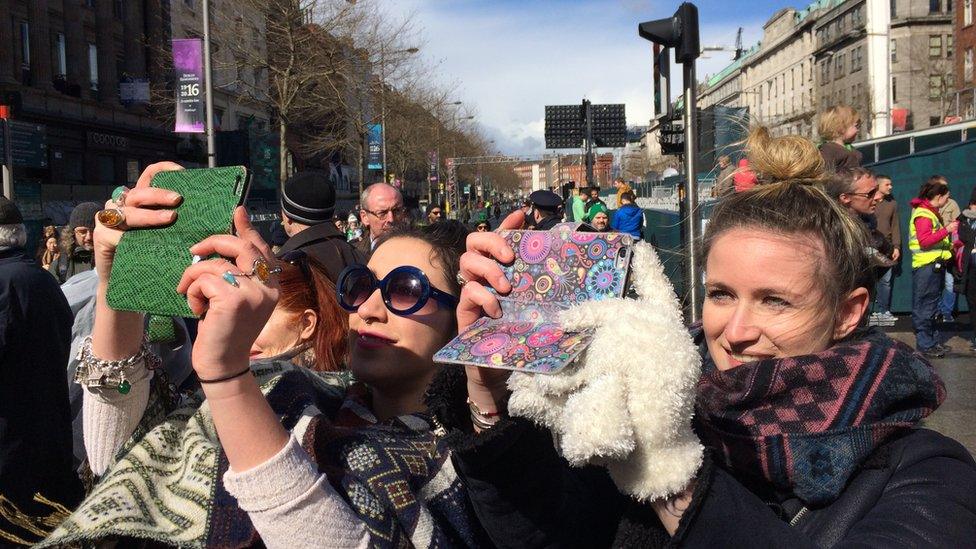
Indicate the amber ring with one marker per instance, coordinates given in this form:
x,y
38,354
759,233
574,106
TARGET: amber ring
x,y
111,218
261,270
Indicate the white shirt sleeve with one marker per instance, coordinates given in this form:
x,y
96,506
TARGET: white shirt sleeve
x,y
109,418
293,506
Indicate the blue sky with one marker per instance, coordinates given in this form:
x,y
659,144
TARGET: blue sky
x,y
513,57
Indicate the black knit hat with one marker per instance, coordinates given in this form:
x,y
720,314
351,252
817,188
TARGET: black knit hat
x,y
84,215
9,213
308,197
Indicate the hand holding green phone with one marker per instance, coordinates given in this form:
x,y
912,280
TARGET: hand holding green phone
x,y
149,263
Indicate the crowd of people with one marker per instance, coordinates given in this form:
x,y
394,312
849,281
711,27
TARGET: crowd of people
x,y
302,406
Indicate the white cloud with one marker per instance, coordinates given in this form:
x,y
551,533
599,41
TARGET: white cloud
x,y
511,63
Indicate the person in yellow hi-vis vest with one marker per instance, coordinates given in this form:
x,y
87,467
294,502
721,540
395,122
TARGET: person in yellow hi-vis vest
x,y
931,246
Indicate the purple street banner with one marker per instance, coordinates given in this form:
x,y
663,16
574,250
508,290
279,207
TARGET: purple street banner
x,y
375,147
432,166
188,70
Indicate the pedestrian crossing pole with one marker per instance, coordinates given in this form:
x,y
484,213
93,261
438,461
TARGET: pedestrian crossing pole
x,y
681,33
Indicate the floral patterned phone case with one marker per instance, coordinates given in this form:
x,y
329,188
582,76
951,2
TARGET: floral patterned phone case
x,y
553,271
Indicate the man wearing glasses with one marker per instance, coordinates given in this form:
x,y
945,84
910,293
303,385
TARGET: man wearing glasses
x,y
858,191
382,208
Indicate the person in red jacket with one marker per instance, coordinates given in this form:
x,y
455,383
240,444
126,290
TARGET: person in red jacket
x,y
744,177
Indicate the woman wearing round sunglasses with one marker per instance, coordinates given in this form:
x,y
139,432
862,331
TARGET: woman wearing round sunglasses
x,y
302,460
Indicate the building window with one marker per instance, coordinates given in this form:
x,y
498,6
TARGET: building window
x,y
894,8
118,9
967,12
950,44
967,66
935,6
894,89
60,56
25,59
838,65
93,65
893,46
935,87
824,72
935,46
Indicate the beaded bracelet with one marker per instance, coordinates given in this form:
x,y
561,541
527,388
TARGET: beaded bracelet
x,y
95,373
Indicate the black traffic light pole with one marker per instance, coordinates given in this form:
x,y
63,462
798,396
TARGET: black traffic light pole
x,y
681,33
588,116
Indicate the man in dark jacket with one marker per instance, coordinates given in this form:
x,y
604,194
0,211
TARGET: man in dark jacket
x,y
77,243
965,283
36,474
307,207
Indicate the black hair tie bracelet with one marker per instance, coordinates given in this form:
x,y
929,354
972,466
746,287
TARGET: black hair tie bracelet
x,y
225,378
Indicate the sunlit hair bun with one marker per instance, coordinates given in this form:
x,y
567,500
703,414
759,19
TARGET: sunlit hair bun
x,y
788,158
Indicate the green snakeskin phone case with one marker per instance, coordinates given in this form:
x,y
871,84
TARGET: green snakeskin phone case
x,y
149,263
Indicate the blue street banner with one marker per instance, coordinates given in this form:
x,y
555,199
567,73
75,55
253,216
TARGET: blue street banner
x,y
375,143
188,72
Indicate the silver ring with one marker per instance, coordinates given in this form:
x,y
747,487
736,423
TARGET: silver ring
x,y
460,279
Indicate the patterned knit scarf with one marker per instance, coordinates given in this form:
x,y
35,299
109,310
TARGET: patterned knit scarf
x,y
167,483
804,424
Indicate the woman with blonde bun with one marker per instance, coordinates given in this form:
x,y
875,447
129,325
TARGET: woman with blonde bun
x,y
778,421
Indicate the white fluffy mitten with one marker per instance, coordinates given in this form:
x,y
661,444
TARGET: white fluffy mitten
x,y
628,401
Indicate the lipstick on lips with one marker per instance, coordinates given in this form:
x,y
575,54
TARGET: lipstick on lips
x,y
372,340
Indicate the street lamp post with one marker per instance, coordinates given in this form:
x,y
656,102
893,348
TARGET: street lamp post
x,y
410,51
437,148
457,184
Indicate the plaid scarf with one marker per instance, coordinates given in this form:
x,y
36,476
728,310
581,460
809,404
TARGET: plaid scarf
x,y
804,424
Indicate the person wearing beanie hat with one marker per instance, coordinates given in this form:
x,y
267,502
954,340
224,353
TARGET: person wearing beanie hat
x,y
307,208
77,255
35,440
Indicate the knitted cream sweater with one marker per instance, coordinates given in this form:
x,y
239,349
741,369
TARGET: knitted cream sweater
x,y
290,504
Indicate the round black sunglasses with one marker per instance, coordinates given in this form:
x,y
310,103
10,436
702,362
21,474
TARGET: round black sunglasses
x,y
405,290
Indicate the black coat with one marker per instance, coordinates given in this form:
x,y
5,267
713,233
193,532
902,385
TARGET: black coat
x,y
966,280
35,420
328,246
915,491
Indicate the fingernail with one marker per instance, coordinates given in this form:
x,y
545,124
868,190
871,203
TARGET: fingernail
x,y
174,196
196,259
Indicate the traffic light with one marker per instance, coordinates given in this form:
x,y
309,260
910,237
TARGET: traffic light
x,y
661,82
679,32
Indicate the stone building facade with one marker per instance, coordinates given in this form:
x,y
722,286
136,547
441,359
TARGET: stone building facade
x,y
61,66
778,80
911,80
892,60
965,47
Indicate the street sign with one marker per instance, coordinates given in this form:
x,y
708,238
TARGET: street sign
x,y
374,151
28,143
